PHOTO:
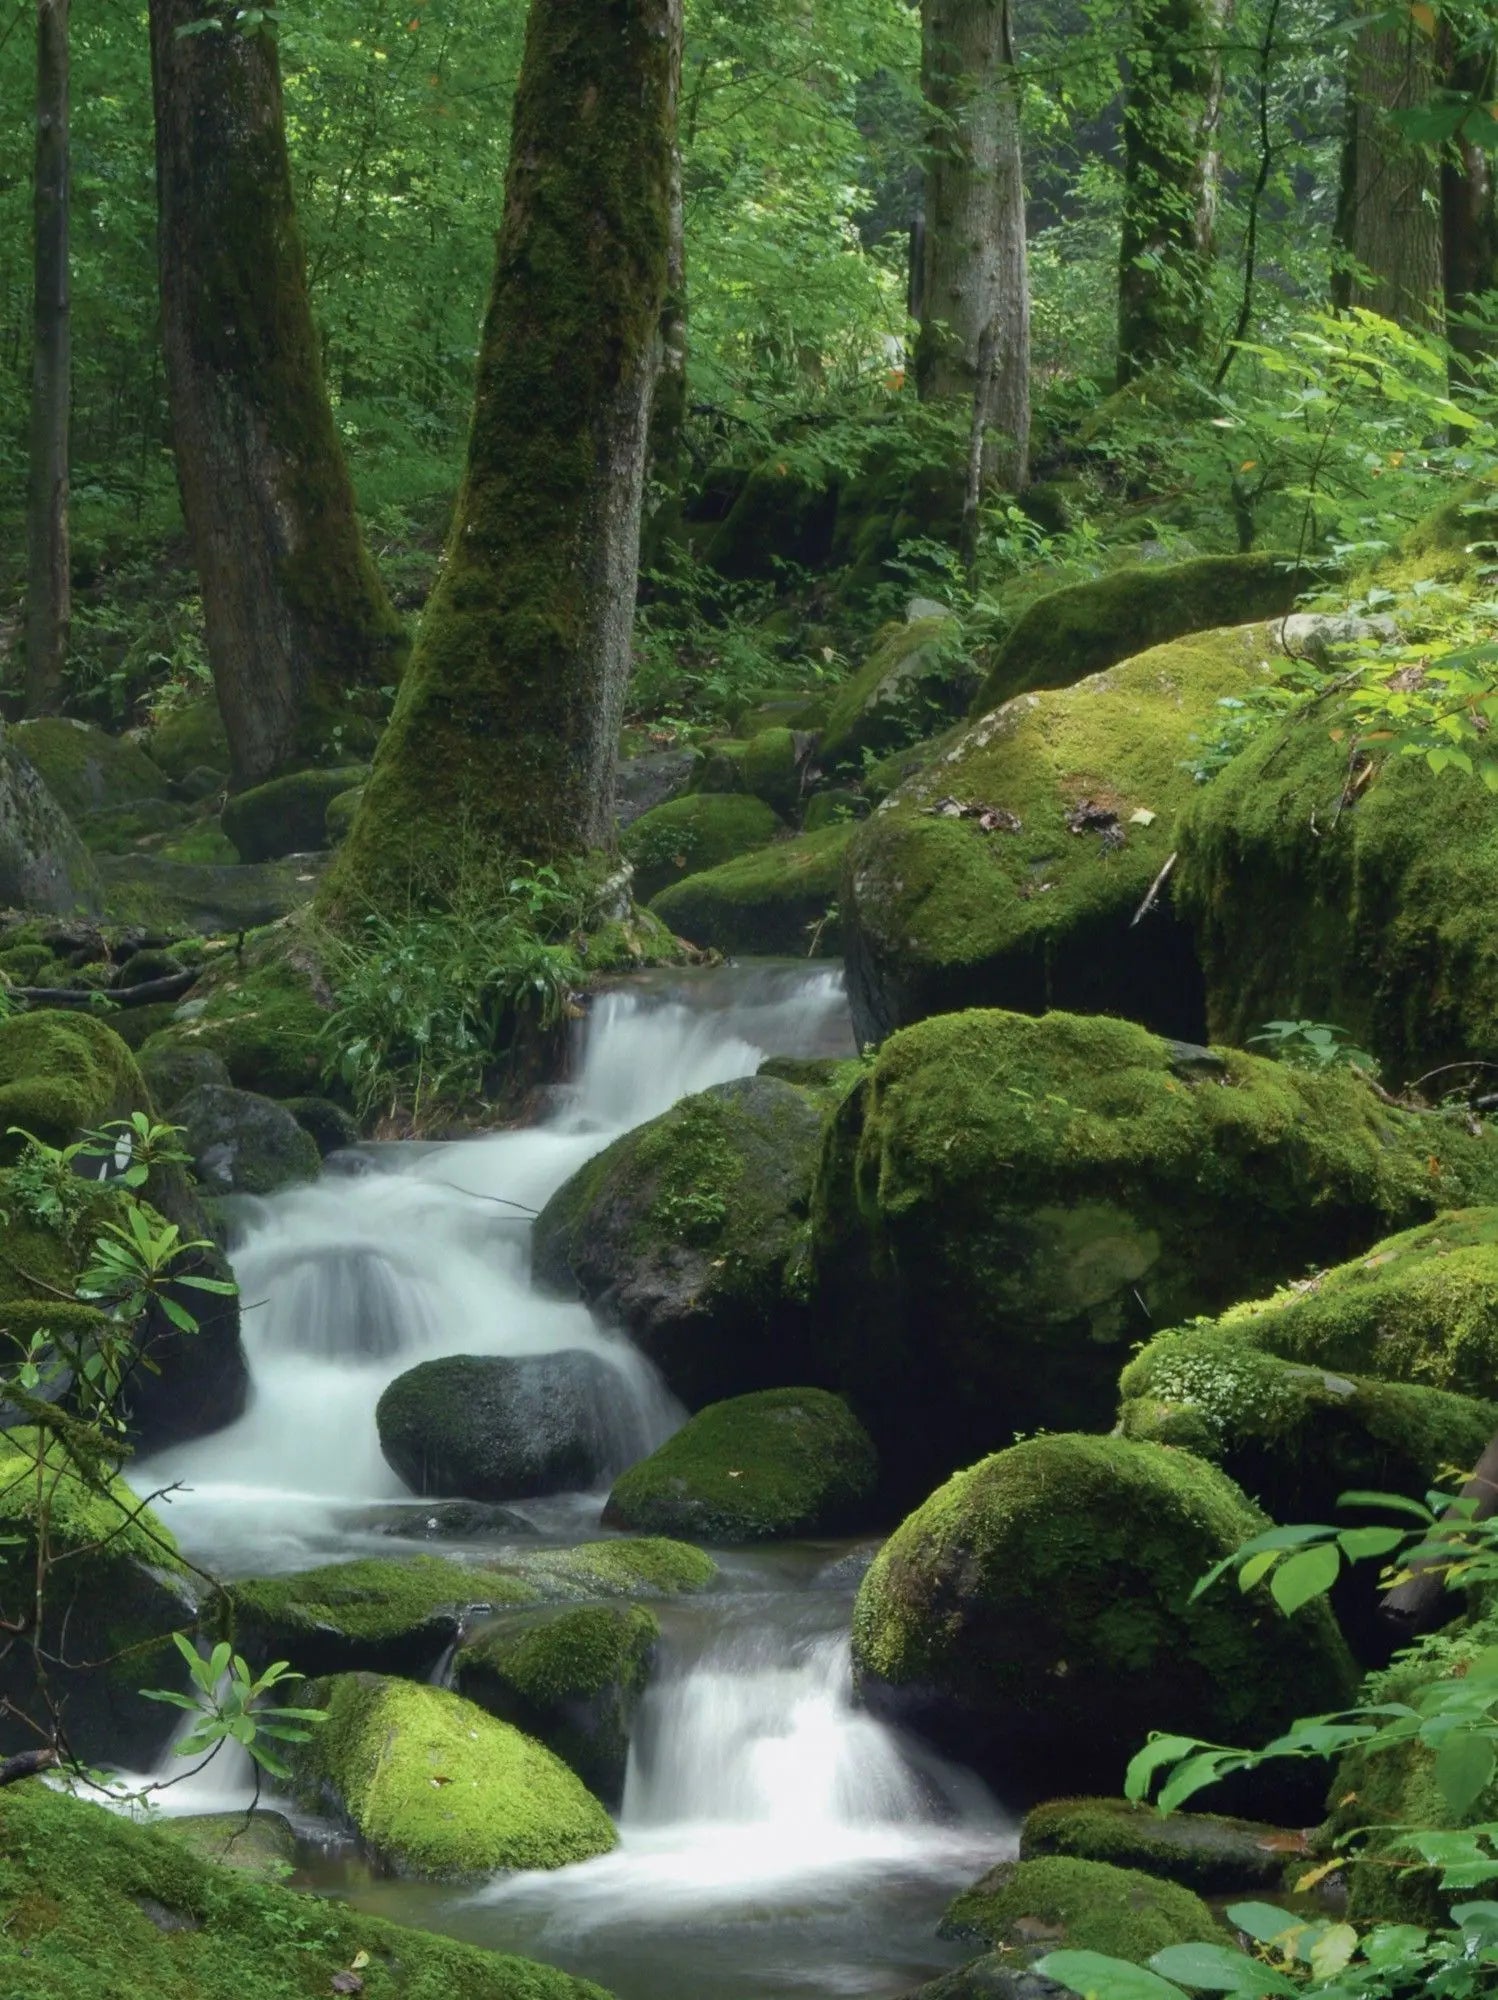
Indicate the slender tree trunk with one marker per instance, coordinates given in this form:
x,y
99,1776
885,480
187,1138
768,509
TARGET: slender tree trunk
x,y
48,579
1389,220
667,458
974,289
300,632
1469,216
1172,111
505,735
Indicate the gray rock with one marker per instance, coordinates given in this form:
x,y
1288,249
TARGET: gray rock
x,y
203,897
43,863
645,782
925,607
244,1144
175,1069
991,1977
1311,635
330,1127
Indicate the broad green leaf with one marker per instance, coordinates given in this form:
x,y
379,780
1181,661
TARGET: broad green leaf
x,y
1464,1769
1332,1952
1097,1977
1395,1503
1307,1574
1262,1921
1216,1968
1357,1543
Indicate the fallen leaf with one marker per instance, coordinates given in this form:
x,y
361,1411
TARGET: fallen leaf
x,y
1424,17
1408,678
735,1475
995,819
1314,1875
1144,817
359,1960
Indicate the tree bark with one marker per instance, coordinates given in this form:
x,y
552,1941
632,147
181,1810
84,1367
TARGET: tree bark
x,y
974,289
1414,1606
1389,221
667,458
48,577
300,632
1172,111
1469,216
505,735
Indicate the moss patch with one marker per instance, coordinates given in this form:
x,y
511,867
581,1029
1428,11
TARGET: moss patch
x,y
63,1073
781,898
628,1566
687,835
1092,1905
1203,1851
288,815
85,769
915,681
263,1014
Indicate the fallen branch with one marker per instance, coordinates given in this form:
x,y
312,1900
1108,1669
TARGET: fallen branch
x,y
27,1764
172,987
1154,895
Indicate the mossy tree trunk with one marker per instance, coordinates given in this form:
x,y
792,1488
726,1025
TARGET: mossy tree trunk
x,y
505,734
1469,209
1389,221
48,573
301,634
1172,111
974,286
667,463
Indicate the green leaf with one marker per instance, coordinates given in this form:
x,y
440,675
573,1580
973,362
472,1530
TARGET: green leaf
x,y
1262,1921
1395,1503
1097,1977
1308,1574
1464,1769
1159,1750
1216,1968
1332,1952
1257,1568
1356,1543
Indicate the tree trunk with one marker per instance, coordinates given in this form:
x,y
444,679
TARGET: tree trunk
x,y
1469,217
300,632
1389,222
974,287
667,456
1172,110
506,729
48,578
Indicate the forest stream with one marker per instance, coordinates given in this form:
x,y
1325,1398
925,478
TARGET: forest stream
x,y
774,1839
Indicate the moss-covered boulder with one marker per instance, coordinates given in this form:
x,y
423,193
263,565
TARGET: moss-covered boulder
x,y
1009,870
262,1011
85,769
916,680
339,816
1063,637
240,1143
1034,1616
115,1591
288,815
753,1469
436,1786
397,1617
690,1233
1006,1205
1292,1435
571,1677
686,835
499,1426
1357,894
210,898
62,1074
1207,1852
259,1843
191,738
171,1069
770,765
44,865
1063,1904
632,1566
992,1977
100,1905
779,899
330,1128
122,829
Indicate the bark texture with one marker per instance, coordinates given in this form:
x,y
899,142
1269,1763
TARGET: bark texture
x,y
505,734
48,575
1172,112
1389,224
1469,215
974,289
300,632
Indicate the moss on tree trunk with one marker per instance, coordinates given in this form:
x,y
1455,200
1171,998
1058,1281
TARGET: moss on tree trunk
x,y
505,733
300,632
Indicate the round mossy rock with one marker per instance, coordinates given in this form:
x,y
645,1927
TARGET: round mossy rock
x,y
690,1232
1008,870
44,865
211,899
686,835
781,899
244,1144
1006,1205
756,1468
435,1786
262,1013
501,1427
647,1566
287,815
1034,1616
916,680
339,816
1207,1852
571,1676
1061,1904
63,1073
191,738
85,769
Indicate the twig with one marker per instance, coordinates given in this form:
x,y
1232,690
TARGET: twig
x,y
171,988
1155,887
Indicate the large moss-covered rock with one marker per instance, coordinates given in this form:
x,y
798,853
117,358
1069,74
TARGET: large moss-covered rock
x,y
100,1905
1297,1436
686,835
84,769
262,1012
43,863
915,681
769,765
207,897
436,1786
1064,1904
499,1426
258,1843
633,1566
1087,627
115,1592
779,899
1008,871
690,1231
571,1677
1357,895
192,738
288,815
1007,1204
1035,1616
1207,1852
241,1143
755,1468
63,1074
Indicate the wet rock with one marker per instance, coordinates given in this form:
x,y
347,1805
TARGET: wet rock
x,y
328,1125
86,770
173,1070
201,896
243,1144
778,899
1207,1852
287,815
644,783
43,863
443,1521
687,835
1061,1904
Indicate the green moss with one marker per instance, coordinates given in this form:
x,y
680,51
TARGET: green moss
x,y
1293,1436
942,914
915,680
782,898
1441,548
84,769
123,829
1095,1907
288,815
191,738
499,1800
203,844
1088,627
339,816
772,768
63,1073
264,1014
1020,1200
755,1468
85,1891
262,1844
1203,1851
627,1566
158,893
78,1515
688,834
1053,1582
